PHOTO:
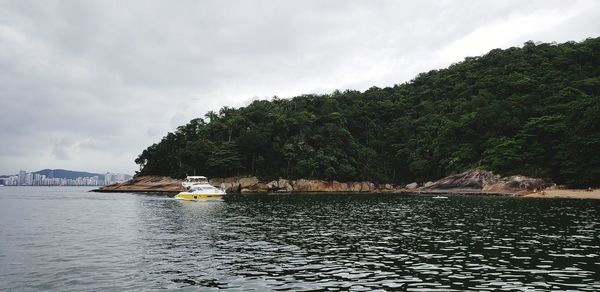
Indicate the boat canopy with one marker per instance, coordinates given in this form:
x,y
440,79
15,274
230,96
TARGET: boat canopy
x,y
196,179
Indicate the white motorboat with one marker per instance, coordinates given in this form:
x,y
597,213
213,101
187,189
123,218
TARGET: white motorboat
x,y
199,190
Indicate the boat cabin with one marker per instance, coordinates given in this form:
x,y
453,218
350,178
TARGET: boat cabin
x,y
194,180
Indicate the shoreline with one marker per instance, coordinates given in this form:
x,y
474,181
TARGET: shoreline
x,y
553,194
546,194
135,191
457,185
460,192
565,194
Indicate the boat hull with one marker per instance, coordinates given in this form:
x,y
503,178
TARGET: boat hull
x,y
198,197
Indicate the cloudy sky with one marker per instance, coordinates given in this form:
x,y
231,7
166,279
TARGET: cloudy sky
x,y
87,85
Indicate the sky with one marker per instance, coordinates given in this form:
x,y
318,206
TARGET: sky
x,y
88,85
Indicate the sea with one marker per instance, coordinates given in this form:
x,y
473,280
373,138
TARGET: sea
x,y
70,239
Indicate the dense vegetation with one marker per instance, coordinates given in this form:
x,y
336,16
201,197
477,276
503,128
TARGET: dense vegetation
x,y
69,174
533,110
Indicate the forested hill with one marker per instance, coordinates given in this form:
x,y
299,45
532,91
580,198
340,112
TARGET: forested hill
x,y
69,174
533,110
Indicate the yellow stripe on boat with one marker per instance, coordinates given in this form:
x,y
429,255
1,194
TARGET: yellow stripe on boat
x,y
191,197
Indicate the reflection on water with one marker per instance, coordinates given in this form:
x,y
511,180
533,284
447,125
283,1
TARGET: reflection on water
x,y
76,240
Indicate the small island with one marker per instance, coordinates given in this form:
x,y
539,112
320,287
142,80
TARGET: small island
x,y
471,182
528,113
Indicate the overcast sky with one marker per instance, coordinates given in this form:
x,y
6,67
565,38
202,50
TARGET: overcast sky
x,y
87,85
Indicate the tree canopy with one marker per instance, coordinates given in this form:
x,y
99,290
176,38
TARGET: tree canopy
x,y
533,110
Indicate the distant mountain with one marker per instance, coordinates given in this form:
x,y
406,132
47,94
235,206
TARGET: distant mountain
x,y
68,174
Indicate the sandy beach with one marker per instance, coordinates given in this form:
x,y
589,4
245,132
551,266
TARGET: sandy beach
x,y
566,193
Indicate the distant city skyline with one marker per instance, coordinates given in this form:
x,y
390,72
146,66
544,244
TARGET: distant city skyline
x,y
24,178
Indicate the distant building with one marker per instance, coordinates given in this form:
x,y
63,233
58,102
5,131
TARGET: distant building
x,y
22,174
29,179
111,178
108,178
11,180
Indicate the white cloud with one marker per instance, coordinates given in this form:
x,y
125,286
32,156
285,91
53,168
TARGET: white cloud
x,y
89,85
501,33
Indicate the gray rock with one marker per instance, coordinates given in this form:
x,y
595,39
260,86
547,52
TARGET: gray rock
x,y
518,183
475,179
412,185
272,185
230,187
486,181
284,184
249,181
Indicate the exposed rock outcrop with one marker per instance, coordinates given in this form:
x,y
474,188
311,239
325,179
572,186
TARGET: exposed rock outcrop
x,y
234,184
281,185
248,184
412,185
146,184
517,183
474,179
477,180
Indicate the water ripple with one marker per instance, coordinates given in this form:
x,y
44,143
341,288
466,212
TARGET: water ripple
x,y
77,241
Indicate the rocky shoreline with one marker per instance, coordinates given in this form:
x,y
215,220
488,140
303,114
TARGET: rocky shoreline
x,y
247,184
144,184
469,183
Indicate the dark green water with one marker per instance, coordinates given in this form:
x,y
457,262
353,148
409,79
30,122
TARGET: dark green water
x,y
67,239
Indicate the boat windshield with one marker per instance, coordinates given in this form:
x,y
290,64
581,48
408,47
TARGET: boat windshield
x,y
201,188
196,179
